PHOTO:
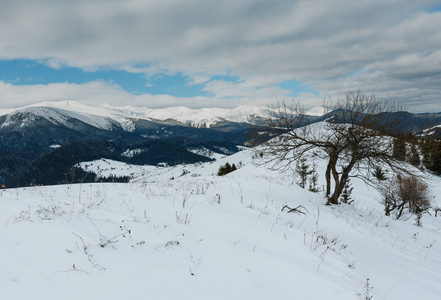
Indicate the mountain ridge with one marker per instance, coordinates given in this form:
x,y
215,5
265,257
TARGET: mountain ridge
x,y
204,117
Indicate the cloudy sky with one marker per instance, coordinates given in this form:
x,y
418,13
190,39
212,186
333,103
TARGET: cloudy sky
x,y
201,53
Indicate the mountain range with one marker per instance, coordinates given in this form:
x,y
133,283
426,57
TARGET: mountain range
x,y
104,117
40,144
66,133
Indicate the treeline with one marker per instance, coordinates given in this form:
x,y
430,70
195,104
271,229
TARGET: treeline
x,y
418,152
113,178
56,167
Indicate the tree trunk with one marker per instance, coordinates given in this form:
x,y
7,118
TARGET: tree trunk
x,y
338,189
340,182
401,208
328,179
332,169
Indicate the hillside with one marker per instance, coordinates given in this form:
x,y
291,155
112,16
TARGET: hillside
x,y
182,232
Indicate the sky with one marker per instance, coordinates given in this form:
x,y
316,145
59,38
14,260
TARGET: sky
x,y
200,53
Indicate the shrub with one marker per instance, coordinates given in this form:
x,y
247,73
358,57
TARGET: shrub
x,y
406,193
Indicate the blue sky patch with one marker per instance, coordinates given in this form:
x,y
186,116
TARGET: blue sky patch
x,y
30,72
297,88
435,9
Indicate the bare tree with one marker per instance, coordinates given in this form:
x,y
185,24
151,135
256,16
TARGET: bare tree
x,y
354,140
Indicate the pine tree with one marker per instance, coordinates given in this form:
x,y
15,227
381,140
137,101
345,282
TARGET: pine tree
x,y
313,179
436,158
414,158
399,148
346,194
302,169
225,169
431,150
379,173
425,150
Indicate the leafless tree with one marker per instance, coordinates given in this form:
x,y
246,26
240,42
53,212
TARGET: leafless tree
x,y
354,140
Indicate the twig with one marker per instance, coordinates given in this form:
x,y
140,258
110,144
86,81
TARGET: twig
x,y
296,210
85,247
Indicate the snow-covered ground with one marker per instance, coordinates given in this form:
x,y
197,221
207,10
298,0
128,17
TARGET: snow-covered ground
x,y
184,233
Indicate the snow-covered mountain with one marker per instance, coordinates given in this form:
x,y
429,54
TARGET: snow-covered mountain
x,y
57,116
104,116
162,135
100,116
107,117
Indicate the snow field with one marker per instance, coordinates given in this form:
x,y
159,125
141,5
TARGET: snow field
x,y
200,236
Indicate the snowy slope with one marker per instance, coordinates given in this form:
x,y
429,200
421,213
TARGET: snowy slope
x,y
184,233
61,117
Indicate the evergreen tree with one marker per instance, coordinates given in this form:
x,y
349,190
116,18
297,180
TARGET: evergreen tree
x,y
414,158
302,170
425,150
436,158
313,179
399,148
225,169
346,194
431,150
379,173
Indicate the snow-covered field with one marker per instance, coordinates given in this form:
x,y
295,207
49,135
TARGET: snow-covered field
x,y
184,233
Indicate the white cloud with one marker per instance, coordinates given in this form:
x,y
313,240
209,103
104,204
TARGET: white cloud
x,y
227,89
389,45
198,79
99,92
